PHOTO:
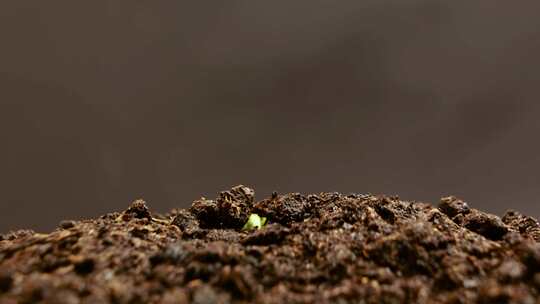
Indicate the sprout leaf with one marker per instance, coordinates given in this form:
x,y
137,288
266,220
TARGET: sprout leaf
x,y
254,221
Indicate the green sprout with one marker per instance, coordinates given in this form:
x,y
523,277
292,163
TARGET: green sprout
x,y
254,221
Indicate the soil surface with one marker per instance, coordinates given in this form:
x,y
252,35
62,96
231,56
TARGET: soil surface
x,y
324,248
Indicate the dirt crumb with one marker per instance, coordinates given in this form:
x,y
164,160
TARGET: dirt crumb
x,y
487,225
526,225
66,224
138,209
453,206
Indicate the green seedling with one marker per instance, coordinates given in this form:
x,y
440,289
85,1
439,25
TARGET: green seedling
x,y
254,221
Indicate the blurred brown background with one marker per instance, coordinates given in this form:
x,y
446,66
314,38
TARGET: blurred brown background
x,y
103,102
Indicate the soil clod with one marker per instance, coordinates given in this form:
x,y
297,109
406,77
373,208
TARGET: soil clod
x,y
67,224
453,206
139,210
487,225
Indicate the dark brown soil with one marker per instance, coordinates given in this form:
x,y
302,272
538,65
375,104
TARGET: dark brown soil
x,y
325,248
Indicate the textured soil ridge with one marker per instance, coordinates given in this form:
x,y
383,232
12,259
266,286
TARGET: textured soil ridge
x,y
324,248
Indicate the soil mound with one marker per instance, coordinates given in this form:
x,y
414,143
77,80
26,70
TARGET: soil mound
x,y
324,248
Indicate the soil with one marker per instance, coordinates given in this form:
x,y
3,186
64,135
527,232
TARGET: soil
x,y
324,248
